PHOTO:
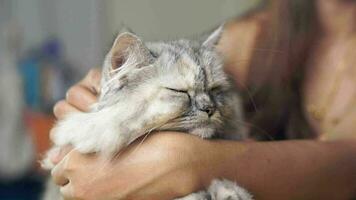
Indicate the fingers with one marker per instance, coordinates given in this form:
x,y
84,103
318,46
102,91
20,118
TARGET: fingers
x,y
92,80
60,154
68,174
81,97
60,178
58,175
62,108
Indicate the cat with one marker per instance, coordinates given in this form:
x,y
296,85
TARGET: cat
x,y
159,86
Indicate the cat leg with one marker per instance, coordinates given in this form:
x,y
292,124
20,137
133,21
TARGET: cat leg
x,y
196,196
90,132
227,190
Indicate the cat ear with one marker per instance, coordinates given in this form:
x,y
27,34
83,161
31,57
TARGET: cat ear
x,y
127,45
214,37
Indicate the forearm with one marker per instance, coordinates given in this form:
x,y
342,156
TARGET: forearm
x,y
287,170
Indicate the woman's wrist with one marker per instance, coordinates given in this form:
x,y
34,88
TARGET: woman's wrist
x,y
215,160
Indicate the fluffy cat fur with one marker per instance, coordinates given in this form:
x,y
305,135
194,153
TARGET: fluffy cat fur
x,y
178,86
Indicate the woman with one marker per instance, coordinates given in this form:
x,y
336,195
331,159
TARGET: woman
x,y
294,60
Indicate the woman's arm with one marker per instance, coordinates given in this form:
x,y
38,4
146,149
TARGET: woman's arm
x,y
288,170
169,165
239,42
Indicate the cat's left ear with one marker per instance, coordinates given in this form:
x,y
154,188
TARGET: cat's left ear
x,y
128,50
128,45
214,37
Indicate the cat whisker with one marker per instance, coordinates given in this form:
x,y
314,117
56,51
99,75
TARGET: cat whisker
x,y
144,138
150,131
250,98
262,131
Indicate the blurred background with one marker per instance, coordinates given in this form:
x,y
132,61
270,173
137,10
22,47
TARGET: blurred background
x,y
47,45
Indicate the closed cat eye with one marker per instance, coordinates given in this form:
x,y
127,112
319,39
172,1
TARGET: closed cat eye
x,y
177,90
216,88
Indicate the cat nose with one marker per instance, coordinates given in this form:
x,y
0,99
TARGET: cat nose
x,y
205,104
208,109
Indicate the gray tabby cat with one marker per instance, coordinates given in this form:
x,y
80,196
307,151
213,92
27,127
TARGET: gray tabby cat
x,y
177,86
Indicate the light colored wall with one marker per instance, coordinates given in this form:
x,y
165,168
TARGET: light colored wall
x,y
87,27
79,25
165,19
28,16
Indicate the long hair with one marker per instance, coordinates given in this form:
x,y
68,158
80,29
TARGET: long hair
x,y
277,69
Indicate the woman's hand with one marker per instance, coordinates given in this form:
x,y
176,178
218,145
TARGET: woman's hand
x,y
81,96
162,166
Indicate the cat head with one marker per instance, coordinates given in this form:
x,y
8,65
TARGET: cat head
x,y
177,85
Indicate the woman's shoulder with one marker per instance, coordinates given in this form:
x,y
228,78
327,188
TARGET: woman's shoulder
x,y
249,23
239,40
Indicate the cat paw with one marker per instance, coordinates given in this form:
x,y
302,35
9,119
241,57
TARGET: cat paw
x,y
227,190
87,144
89,138
93,142
80,138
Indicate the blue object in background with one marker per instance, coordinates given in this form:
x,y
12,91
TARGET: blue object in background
x,y
46,76
30,71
